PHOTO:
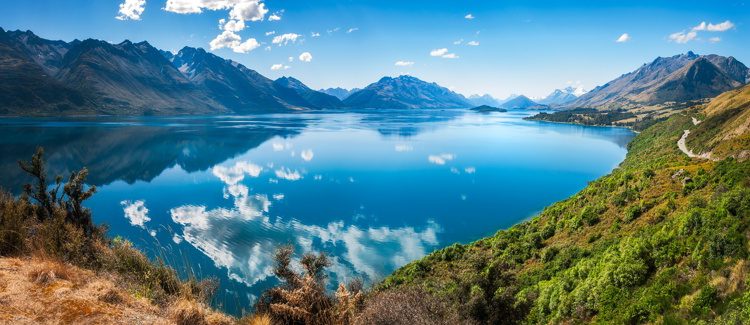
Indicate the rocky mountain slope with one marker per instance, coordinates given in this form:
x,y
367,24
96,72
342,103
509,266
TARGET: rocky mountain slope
x,y
679,78
43,77
405,92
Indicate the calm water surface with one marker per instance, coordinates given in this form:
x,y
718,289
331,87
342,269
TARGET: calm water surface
x,y
215,196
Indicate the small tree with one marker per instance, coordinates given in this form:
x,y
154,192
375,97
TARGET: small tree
x,y
302,298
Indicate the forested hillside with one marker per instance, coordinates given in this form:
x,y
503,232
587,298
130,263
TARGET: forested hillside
x,y
663,238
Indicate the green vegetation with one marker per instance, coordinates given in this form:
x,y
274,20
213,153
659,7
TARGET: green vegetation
x,y
662,239
591,116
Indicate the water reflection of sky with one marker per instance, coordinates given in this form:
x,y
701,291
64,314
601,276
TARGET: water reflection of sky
x,y
217,196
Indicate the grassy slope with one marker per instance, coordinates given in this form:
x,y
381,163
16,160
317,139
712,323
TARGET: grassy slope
x,y
663,238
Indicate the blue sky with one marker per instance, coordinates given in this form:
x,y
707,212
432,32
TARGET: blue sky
x,y
529,47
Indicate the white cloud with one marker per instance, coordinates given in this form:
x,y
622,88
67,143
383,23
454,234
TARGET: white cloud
x,y
473,43
279,66
714,39
270,33
315,34
469,16
458,42
470,170
682,37
290,59
720,27
404,63
131,9
274,17
440,159
246,46
443,53
284,39
352,30
439,52
623,38
305,57
251,10
307,155
232,25
278,197
288,174
136,212
229,39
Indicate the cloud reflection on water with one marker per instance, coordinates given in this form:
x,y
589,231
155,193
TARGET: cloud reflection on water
x,y
243,238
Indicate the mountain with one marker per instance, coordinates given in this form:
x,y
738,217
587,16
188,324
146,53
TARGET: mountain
x,y
485,99
405,92
661,239
339,93
522,102
678,78
44,77
312,98
26,86
132,79
561,96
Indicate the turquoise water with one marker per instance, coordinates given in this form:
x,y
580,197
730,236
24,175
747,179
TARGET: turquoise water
x,y
375,190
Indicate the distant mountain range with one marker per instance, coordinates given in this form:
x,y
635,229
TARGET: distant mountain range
x,y
679,78
562,96
339,92
405,92
522,102
43,77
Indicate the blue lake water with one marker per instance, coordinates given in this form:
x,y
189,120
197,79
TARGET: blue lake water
x,y
216,196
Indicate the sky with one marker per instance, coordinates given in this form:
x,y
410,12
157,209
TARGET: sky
x,y
500,47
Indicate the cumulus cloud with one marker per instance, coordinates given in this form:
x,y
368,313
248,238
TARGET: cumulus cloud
x,y
439,52
473,43
131,9
136,212
440,159
307,155
305,57
274,17
352,30
687,36
229,39
284,39
682,37
232,25
720,27
469,16
623,38
315,34
279,66
470,170
404,63
270,33
240,11
443,53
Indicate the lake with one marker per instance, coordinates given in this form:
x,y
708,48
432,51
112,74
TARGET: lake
x,y
215,196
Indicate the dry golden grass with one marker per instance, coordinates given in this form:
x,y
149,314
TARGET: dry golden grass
x,y
189,312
